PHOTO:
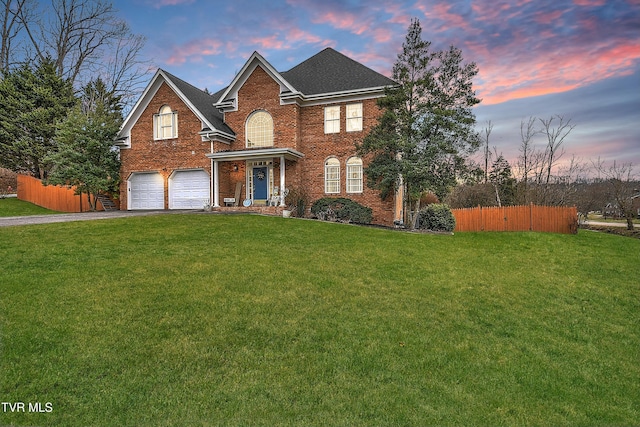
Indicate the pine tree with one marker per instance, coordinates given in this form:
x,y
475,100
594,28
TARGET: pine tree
x,y
425,133
32,103
86,158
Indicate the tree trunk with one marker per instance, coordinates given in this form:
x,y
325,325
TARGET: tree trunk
x,y
416,215
92,206
629,222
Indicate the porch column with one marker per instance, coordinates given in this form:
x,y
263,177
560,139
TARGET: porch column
x,y
282,167
216,185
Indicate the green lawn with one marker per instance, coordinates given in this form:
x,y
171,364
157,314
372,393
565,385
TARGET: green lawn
x,y
184,320
15,207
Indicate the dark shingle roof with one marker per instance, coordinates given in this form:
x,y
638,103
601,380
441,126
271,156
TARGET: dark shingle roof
x,y
330,71
202,101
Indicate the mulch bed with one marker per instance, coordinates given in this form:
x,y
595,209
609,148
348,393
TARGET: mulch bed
x,y
620,231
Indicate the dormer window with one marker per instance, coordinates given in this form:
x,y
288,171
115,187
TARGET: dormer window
x,y
260,130
165,123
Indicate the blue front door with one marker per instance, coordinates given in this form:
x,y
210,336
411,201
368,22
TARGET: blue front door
x,y
260,183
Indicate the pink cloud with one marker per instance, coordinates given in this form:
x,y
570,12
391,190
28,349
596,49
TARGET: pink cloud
x,y
194,50
547,17
556,71
344,21
162,3
589,2
271,42
301,36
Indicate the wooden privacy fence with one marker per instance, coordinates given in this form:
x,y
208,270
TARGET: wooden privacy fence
x,y
54,197
551,219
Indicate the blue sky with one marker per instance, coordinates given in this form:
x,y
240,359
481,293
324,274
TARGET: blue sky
x,y
576,58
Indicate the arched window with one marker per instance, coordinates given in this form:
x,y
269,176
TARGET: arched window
x,y
332,175
354,175
165,123
260,130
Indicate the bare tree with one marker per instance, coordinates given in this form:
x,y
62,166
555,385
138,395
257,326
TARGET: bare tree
x,y
11,13
86,39
555,138
620,178
529,157
487,153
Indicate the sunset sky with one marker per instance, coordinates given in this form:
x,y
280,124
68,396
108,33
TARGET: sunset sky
x,y
579,58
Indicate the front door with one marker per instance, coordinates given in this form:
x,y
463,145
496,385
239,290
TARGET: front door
x,y
260,183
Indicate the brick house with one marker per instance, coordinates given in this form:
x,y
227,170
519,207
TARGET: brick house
x,y
182,148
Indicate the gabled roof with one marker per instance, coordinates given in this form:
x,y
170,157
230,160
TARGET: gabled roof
x,y
328,76
202,101
198,101
325,77
329,71
228,98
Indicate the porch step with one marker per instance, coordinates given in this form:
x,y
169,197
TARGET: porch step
x,y
107,203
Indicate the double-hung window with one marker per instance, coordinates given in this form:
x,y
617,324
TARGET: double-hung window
x,y
332,176
354,117
332,119
165,124
354,175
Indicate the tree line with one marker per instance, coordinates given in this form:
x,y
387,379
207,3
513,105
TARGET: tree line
x,y
425,139
67,71
538,177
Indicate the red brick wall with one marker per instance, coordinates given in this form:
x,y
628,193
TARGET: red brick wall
x,y
261,92
165,156
318,147
299,128
303,130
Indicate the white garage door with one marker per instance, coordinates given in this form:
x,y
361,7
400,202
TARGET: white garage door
x,y
146,191
188,189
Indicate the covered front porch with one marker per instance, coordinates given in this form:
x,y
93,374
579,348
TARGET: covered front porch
x,y
250,178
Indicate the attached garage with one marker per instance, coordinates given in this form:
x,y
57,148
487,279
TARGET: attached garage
x,y
146,191
189,189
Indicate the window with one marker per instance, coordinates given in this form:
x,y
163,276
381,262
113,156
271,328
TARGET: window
x,y
165,124
354,175
354,117
260,130
332,119
332,176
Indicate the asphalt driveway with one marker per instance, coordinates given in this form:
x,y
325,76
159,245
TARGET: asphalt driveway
x,y
84,216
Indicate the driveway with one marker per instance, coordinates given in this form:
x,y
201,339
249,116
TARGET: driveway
x,y
84,216
609,224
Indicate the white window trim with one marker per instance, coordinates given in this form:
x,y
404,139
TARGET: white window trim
x,y
354,117
354,175
332,167
331,124
250,144
158,128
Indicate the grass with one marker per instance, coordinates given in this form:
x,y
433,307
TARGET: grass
x,y
247,320
15,207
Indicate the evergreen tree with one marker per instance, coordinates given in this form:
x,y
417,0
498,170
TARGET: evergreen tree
x,y
503,182
86,157
32,103
426,132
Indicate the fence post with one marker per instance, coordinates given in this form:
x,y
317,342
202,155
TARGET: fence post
x,y
531,216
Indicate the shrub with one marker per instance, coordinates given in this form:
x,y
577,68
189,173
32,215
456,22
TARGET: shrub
x,y
341,209
437,217
297,200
